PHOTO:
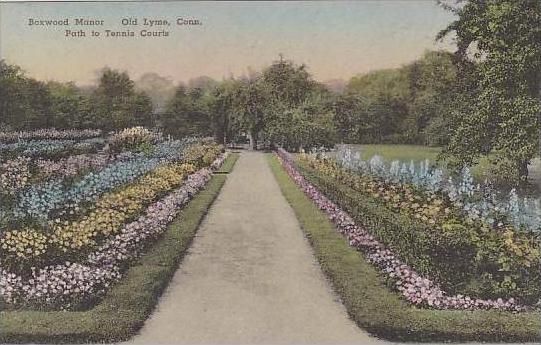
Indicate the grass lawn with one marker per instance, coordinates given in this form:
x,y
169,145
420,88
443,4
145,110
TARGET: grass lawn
x,y
127,304
418,153
404,153
381,312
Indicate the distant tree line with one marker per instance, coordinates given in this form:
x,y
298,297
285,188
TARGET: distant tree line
x,y
26,103
281,104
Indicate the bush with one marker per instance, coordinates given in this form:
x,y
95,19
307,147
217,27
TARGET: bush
x,y
132,139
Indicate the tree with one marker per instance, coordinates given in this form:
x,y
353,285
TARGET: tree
x,y
187,114
382,102
119,105
11,98
252,108
38,102
25,103
408,105
298,112
297,128
287,82
206,84
282,104
159,89
70,107
347,109
226,124
433,88
503,38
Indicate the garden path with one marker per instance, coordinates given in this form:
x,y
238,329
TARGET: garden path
x,y
250,275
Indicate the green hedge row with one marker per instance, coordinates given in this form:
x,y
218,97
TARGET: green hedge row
x,y
383,313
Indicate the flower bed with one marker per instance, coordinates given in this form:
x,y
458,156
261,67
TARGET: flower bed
x,y
415,287
66,235
476,202
49,133
71,166
429,232
14,175
74,284
51,147
69,227
40,200
19,173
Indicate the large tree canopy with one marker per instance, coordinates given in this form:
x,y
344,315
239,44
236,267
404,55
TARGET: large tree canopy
x,y
118,104
187,114
499,45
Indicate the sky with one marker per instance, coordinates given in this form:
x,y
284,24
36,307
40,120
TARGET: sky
x,y
336,40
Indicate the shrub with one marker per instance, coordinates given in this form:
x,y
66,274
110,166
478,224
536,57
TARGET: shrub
x,y
132,139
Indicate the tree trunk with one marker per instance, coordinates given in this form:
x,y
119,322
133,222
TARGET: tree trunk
x,y
254,140
523,172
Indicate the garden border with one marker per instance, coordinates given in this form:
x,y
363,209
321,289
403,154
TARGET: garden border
x,y
378,310
126,306
228,164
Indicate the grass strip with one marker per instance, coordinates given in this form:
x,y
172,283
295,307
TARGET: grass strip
x,y
227,166
375,308
126,306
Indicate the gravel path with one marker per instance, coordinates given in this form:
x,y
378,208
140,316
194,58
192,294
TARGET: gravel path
x,y
250,276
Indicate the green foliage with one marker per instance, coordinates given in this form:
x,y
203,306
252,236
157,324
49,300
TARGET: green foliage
x,y
300,127
26,103
288,83
289,108
433,83
70,108
225,124
367,120
282,105
252,107
501,112
187,114
405,105
289,129
118,104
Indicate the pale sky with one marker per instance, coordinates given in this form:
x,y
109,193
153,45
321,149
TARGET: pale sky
x,y
334,39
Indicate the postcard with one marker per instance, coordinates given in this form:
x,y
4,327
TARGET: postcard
x,y
270,172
